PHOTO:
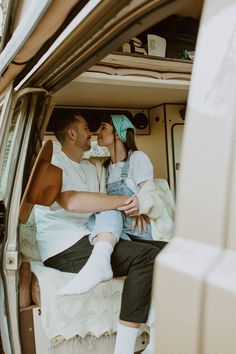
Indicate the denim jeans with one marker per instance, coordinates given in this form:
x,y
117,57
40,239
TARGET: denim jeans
x,y
120,188
106,221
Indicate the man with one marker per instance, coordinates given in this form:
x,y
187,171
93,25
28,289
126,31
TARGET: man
x,y
64,236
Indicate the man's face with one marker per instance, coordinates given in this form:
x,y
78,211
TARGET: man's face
x,y
82,134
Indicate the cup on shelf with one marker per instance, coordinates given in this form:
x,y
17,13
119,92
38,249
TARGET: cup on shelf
x,y
156,45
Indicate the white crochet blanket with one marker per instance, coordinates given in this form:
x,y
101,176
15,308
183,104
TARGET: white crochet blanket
x,y
95,313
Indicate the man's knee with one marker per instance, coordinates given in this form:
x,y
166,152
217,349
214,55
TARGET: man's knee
x,y
146,252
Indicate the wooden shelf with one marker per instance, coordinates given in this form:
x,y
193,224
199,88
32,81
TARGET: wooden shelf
x,y
145,66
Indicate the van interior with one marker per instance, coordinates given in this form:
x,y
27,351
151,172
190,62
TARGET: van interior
x,y
151,88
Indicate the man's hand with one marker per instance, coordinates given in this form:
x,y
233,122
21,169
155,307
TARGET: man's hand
x,y
131,206
141,222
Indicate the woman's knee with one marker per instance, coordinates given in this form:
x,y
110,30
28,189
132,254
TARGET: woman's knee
x,y
106,222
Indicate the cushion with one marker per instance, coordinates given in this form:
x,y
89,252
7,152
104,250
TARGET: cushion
x,y
35,290
24,284
27,239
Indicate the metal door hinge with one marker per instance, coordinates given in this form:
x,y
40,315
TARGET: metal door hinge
x,y
11,260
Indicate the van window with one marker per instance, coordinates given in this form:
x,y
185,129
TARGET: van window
x,y
7,161
4,103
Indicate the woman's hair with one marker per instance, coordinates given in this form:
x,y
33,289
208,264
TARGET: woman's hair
x,y
129,143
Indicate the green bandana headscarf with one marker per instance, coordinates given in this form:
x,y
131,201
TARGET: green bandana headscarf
x,y
121,124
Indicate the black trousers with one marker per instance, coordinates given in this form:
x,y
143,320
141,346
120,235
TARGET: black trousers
x,y
132,259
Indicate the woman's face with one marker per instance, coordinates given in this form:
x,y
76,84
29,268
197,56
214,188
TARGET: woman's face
x,y
105,134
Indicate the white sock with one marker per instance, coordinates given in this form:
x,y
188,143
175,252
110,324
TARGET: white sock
x,y
151,323
125,339
151,345
147,351
96,270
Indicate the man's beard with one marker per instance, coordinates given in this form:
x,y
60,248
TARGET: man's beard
x,y
87,147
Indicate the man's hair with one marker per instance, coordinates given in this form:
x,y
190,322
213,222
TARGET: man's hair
x,y
63,121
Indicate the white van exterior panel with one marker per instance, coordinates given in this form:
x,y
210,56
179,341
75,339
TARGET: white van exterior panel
x,y
220,307
180,271
231,235
207,162
203,203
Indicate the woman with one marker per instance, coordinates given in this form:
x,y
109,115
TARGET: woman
x,y
127,170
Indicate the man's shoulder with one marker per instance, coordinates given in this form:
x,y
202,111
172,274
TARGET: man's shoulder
x,y
59,159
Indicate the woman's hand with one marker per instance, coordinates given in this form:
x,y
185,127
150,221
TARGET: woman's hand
x,y
131,206
141,222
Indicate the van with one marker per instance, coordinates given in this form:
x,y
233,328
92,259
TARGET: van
x,y
151,60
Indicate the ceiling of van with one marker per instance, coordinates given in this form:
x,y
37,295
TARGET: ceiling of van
x,y
192,8
103,90
100,90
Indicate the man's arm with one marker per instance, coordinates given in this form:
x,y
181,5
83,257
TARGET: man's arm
x,y
90,202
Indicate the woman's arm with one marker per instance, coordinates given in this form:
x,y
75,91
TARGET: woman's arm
x,y
131,208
